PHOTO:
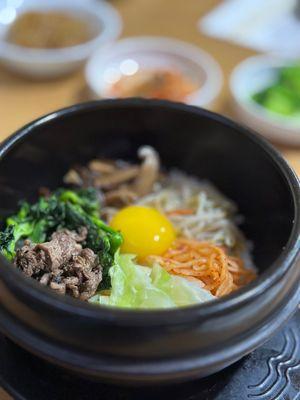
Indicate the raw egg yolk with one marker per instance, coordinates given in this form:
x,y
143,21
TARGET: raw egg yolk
x,y
145,231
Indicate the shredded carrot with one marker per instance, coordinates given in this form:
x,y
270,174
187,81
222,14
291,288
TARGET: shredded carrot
x,y
207,264
181,211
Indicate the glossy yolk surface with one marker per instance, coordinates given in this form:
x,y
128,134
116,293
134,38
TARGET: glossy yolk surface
x,y
145,231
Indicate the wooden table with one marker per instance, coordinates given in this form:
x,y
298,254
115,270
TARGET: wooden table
x,y
22,100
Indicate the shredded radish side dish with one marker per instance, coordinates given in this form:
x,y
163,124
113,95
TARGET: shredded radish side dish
x,y
206,264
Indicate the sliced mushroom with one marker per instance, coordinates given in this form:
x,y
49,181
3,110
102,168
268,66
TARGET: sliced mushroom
x,y
72,177
120,197
86,176
116,178
121,183
149,171
101,167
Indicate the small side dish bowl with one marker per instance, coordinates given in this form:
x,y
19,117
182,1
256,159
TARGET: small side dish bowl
x,y
248,78
102,19
144,346
128,56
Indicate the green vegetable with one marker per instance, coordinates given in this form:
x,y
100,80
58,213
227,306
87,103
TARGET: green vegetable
x,y
17,227
135,286
278,99
7,241
86,198
290,78
63,209
283,96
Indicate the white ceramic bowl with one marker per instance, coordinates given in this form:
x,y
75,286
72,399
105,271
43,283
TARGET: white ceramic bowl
x,y
250,76
42,63
155,52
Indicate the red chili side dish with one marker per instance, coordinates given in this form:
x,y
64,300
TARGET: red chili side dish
x,y
154,83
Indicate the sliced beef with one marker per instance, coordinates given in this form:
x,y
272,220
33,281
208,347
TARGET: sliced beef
x,y
31,262
79,236
62,264
59,250
85,267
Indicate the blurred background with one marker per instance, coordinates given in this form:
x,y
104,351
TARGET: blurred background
x,y
235,57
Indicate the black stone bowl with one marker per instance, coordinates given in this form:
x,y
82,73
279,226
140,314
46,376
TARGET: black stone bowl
x,y
166,345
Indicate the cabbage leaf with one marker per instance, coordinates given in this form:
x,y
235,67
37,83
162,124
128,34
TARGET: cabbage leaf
x,y
136,286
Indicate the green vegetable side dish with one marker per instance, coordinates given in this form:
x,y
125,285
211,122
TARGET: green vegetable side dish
x,y
64,209
283,96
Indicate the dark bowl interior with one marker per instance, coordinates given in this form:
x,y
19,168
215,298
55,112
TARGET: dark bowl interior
x,y
198,143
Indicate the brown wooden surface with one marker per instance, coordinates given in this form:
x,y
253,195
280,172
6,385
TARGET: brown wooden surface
x,y
22,100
